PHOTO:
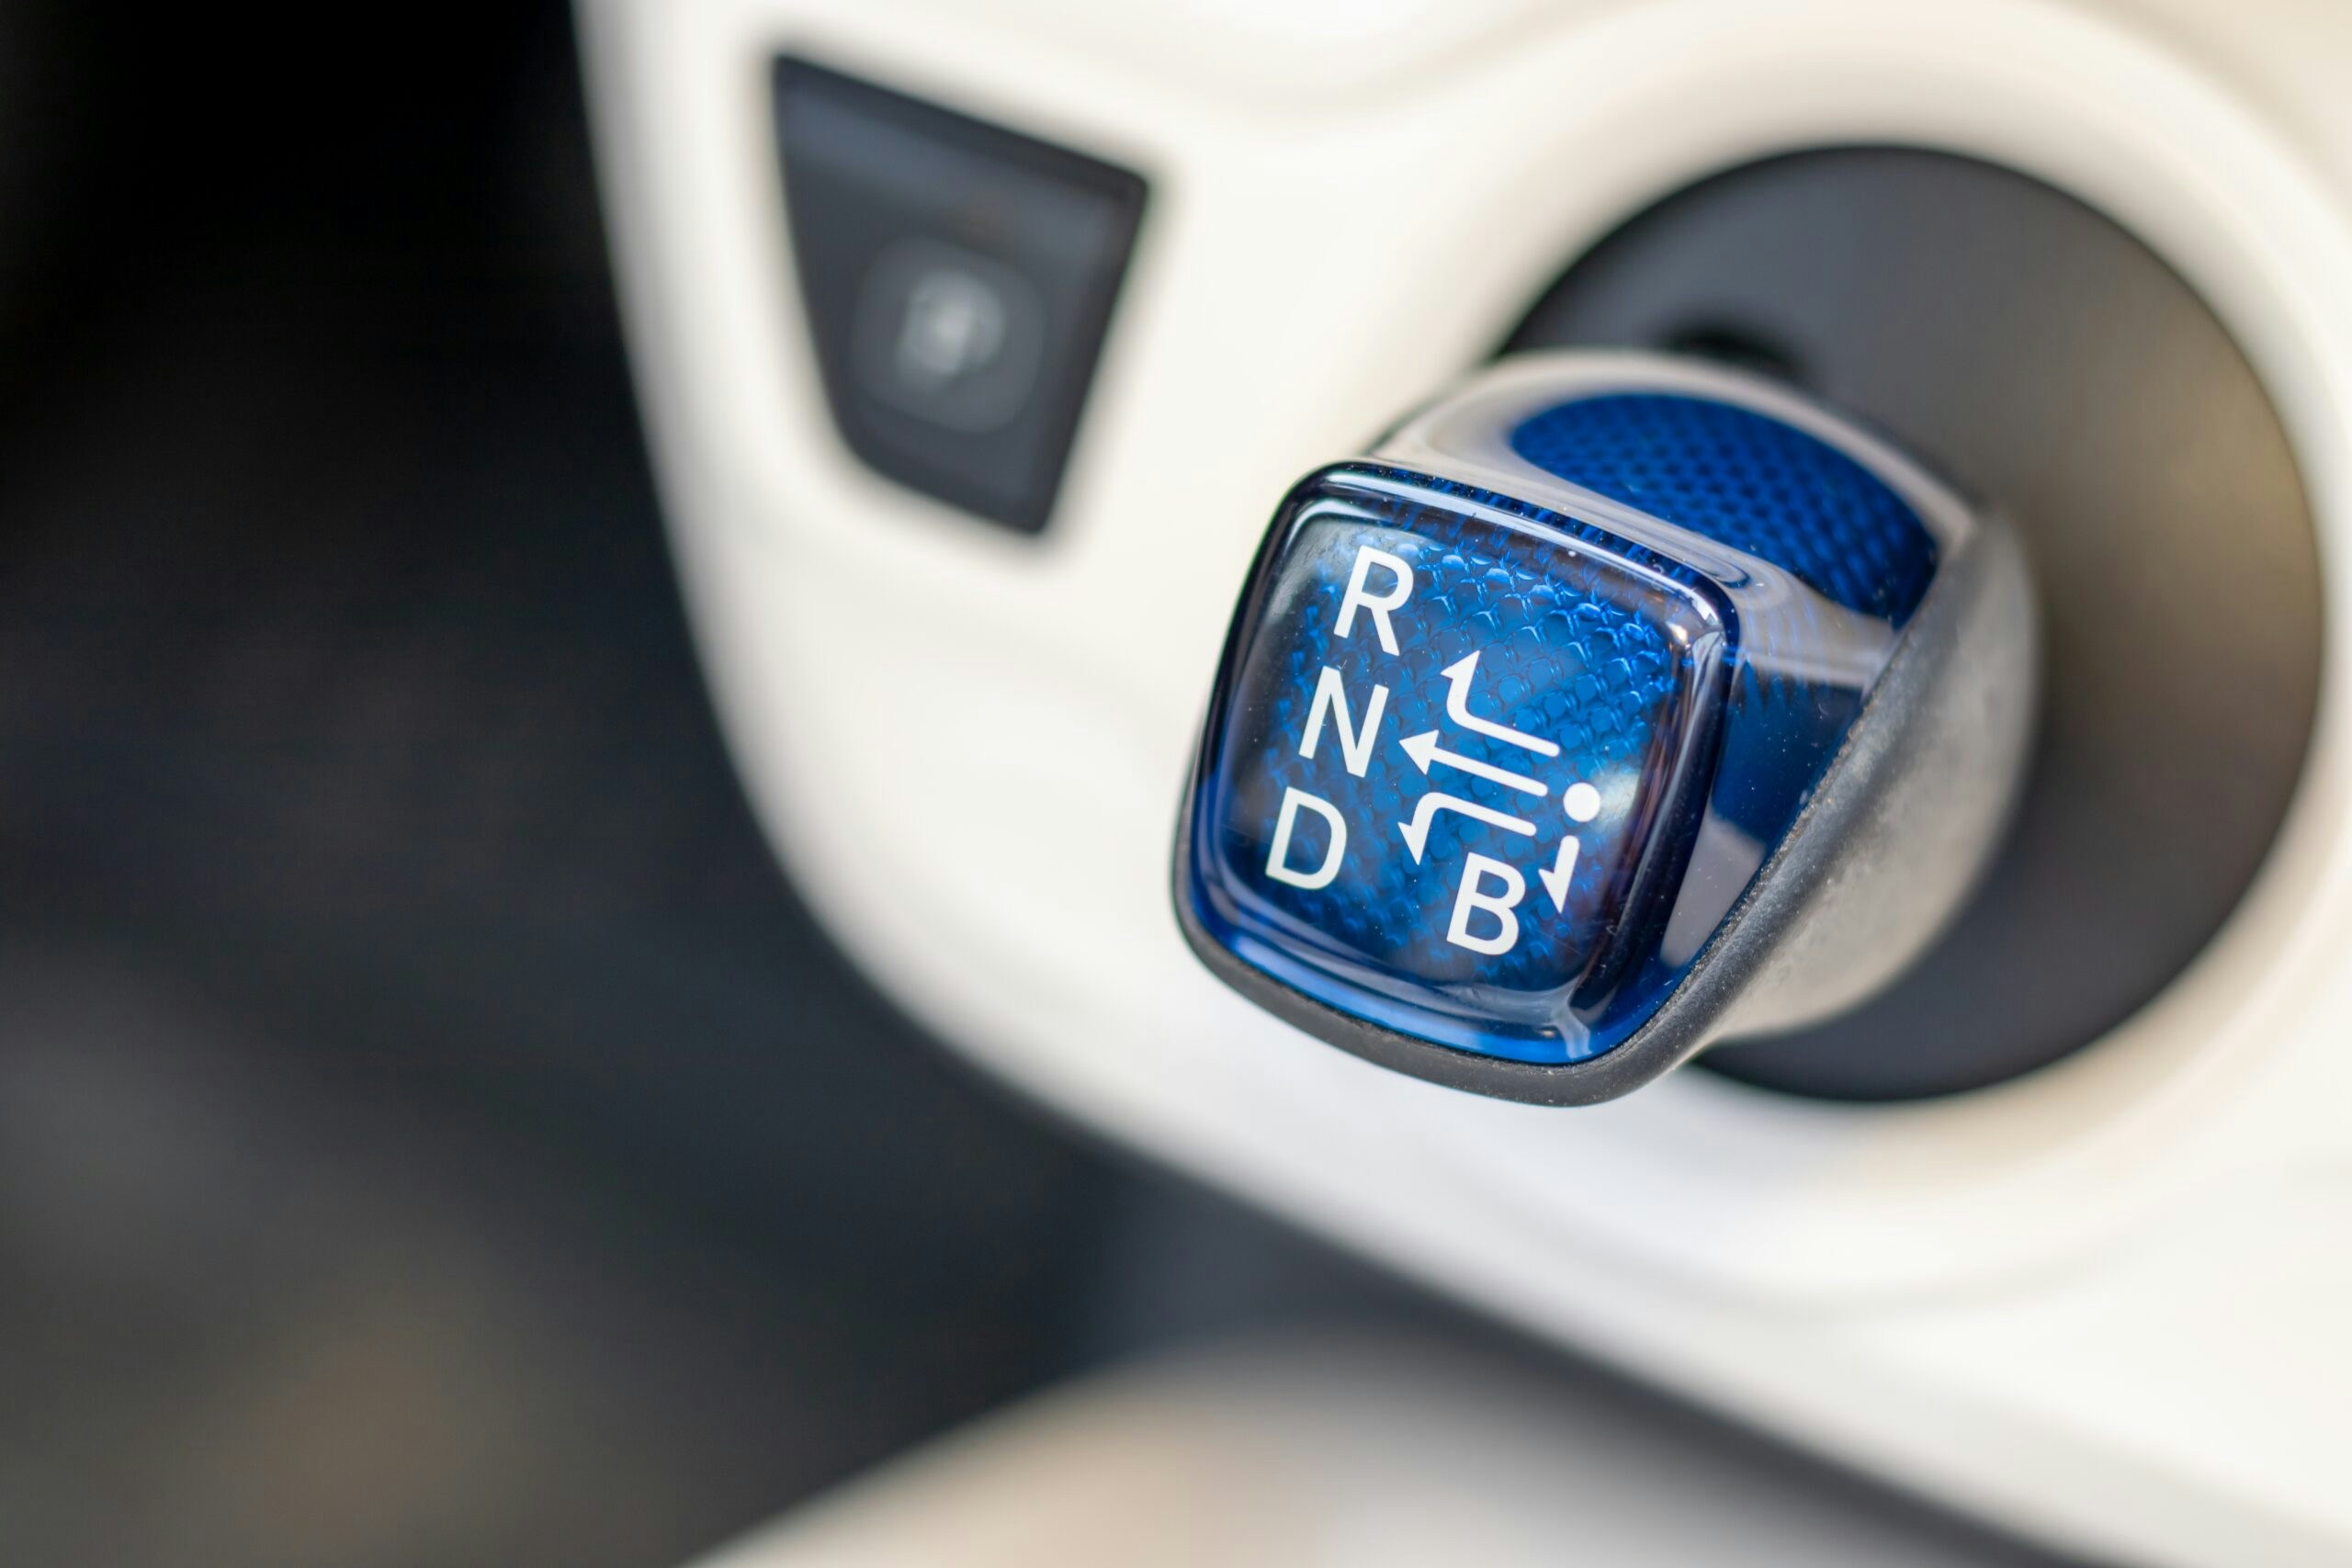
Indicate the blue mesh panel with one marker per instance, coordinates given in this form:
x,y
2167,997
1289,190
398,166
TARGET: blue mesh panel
x,y
1747,481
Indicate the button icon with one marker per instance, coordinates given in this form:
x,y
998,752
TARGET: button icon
x,y
949,336
952,327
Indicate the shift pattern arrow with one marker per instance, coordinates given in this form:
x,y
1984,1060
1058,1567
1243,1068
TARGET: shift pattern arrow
x,y
1459,675
1426,754
1556,876
1425,810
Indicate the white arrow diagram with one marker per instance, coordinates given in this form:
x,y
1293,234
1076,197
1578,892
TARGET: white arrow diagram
x,y
1457,708
1424,751
1556,878
1417,832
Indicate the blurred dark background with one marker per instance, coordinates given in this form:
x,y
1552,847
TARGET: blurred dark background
x,y
430,1130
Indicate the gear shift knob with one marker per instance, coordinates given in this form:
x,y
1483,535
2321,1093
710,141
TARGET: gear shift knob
x,y
1614,705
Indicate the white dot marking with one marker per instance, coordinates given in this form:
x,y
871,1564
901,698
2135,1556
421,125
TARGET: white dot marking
x,y
1582,802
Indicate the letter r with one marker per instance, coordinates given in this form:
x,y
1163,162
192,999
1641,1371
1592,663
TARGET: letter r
x,y
1357,597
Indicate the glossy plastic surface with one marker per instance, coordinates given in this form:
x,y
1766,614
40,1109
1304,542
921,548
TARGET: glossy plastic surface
x,y
1488,775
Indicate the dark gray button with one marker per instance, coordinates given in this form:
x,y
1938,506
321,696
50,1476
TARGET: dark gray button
x,y
958,279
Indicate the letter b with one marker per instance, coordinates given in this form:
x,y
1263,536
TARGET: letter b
x,y
1475,870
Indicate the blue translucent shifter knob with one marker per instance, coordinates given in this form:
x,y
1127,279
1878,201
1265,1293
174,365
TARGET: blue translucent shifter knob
x,y
1615,705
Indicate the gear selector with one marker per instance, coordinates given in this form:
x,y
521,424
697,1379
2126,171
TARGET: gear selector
x,y
1614,706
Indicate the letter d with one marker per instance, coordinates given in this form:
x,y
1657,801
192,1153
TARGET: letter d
x,y
1278,865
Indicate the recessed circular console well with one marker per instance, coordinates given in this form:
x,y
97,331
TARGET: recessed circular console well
x,y
2059,367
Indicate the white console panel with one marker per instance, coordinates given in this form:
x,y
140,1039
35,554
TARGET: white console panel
x,y
2106,1303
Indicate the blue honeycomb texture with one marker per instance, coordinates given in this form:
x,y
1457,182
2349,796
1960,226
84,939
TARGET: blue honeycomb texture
x,y
1747,480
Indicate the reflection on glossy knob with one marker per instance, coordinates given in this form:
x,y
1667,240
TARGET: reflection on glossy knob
x,y
1614,705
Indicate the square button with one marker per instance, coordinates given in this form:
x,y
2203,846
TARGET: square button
x,y
958,279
